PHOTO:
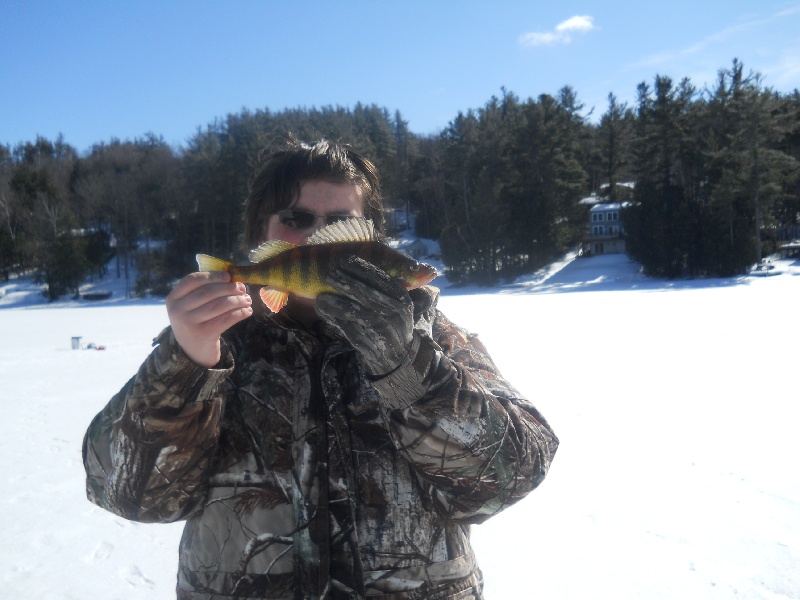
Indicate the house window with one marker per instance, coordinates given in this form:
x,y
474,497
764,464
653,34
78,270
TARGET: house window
x,y
613,216
597,230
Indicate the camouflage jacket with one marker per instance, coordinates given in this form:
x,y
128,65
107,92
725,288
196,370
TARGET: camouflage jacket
x,y
298,479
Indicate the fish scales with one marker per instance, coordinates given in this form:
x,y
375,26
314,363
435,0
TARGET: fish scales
x,y
283,268
304,268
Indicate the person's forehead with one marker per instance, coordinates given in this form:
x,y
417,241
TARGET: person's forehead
x,y
329,196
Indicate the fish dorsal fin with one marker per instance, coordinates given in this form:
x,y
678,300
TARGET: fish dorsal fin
x,y
274,299
268,250
357,229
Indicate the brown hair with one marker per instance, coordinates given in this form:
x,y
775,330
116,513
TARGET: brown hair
x,y
281,171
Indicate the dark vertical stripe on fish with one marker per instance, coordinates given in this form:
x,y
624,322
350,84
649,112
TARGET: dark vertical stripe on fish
x,y
305,267
286,262
327,261
371,257
337,253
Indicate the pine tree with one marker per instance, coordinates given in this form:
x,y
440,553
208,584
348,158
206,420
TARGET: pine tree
x,y
613,140
655,225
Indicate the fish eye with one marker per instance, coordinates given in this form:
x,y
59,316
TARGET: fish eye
x,y
414,267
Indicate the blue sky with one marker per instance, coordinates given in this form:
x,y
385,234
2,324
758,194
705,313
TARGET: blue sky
x,y
94,71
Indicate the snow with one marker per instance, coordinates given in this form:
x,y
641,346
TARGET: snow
x,y
676,403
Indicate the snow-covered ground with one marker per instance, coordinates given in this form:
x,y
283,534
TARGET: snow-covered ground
x,y
676,403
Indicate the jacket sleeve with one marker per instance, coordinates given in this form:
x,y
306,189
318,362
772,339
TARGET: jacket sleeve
x,y
147,452
476,444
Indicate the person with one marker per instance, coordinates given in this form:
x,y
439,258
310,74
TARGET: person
x,y
340,448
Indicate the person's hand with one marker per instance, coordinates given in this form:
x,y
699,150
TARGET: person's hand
x,y
374,312
200,308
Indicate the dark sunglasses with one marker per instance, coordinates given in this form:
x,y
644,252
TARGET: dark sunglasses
x,y
303,219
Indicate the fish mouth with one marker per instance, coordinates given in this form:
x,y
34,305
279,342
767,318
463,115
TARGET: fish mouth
x,y
417,281
430,276
427,280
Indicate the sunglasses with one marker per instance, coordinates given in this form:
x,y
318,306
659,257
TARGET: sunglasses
x,y
303,219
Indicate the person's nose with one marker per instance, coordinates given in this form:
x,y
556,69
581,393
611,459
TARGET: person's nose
x,y
320,221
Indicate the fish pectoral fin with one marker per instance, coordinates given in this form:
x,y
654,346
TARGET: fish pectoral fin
x,y
274,299
357,229
268,250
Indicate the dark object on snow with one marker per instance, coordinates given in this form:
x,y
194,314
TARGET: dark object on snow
x,y
97,295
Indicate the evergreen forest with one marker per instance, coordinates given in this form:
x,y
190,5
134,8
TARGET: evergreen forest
x,y
715,174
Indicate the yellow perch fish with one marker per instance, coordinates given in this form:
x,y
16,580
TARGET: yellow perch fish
x,y
285,268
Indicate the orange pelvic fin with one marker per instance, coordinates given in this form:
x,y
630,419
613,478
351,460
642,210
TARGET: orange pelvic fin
x,y
274,299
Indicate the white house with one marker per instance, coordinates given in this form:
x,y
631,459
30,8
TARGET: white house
x,y
605,230
416,249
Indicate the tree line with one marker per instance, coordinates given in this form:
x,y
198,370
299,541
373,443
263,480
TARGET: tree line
x,y
715,174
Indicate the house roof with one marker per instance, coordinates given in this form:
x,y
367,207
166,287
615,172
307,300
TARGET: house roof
x,y
608,206
594,198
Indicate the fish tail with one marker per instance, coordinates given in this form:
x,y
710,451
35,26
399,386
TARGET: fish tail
x,y
211,264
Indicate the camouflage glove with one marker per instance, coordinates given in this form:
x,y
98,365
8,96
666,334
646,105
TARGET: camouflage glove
x,y
374,312
376,315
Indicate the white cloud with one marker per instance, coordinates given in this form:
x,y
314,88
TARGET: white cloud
x,y
578,23
561,33
539,39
